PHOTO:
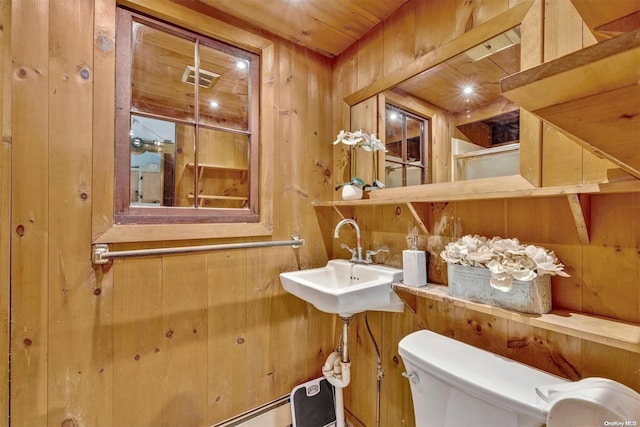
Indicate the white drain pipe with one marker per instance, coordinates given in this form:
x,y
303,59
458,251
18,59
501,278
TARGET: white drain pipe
x,y
337,370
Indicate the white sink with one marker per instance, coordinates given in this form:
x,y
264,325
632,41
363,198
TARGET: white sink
x,y
346,288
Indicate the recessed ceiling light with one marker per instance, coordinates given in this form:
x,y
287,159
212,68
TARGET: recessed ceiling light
x,y
213,104
467,90
241,65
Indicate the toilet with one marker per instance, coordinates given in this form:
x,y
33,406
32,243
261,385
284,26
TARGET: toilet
x,y
455,384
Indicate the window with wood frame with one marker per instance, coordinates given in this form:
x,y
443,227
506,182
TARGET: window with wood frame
x,y
187,113
406,159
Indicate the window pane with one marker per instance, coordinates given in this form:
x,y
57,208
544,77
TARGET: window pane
x,y
414,175
393,175
486,165
177,158
405,140
414,139
223,163
224,94
153,162
162,73
393,131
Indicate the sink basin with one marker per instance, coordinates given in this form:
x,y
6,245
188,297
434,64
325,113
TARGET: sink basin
x,y
345,288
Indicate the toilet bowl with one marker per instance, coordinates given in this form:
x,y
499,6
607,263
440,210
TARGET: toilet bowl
x,y
455,384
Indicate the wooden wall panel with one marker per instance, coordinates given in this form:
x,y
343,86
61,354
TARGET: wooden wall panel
x,y
563,159
103,114
604,273
370,58
73,378
612,290
429,32
138,344
555,353
191,339
186,337
29,211
398,38
5,204
227,328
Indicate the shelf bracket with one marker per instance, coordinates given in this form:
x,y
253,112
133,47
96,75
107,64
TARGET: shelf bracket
x,y
410,300
580,205
418,219
335,208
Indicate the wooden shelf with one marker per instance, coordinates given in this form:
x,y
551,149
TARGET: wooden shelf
x,y
217,167
211,197
606,20
592,95
611,332
508,187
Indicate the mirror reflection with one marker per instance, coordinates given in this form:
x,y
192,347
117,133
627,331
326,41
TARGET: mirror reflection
x,y
407,145
485,133
189,143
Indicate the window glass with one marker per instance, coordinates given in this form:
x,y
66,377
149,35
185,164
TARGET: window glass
x,y
186,126
406,144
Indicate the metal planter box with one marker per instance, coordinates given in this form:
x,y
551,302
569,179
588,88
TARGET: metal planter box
x,y
472,284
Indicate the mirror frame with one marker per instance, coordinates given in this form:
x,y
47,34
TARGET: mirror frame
x,y
529,14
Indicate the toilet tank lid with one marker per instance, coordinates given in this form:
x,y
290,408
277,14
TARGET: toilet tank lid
x,y
488,376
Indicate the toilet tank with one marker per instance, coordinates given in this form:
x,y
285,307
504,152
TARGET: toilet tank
x,y
455,384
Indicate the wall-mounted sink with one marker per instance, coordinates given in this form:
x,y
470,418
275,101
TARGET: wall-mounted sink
x,y
345,288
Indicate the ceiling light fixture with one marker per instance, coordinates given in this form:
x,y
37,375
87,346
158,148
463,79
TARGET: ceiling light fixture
x,y
214,104
500,42
207,78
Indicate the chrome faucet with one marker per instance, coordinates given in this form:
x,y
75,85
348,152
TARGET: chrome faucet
x,y
358,239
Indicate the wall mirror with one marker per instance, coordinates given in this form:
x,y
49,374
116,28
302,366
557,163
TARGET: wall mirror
x,y
485,133
486,126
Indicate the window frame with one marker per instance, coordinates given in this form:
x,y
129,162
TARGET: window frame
x,y
123,212
404,162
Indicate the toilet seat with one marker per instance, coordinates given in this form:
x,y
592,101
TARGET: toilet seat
x,y
591,401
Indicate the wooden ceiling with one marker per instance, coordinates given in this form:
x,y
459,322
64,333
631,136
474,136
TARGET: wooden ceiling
x,y
159,62
444,84
326,26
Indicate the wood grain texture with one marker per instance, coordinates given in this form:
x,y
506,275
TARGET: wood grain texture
x,y
5,204
29,211
138,344
596,17
72,376
139,361
327,27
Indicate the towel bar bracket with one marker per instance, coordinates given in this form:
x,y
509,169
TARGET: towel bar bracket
x,y
100,249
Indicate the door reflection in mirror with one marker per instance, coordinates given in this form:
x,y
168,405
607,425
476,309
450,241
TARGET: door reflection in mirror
x,y
153,157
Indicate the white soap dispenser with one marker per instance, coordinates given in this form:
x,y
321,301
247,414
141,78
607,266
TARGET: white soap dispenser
x,y
414,262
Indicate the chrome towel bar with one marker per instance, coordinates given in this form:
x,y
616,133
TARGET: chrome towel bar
x,y
101,253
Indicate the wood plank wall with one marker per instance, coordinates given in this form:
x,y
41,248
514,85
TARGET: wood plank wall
x,y
195,339
5,203
604,273
184,340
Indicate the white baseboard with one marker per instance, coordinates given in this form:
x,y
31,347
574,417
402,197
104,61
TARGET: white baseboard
x,y
273,414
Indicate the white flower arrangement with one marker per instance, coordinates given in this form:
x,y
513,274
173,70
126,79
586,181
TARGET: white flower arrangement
x,y
507,259
366,141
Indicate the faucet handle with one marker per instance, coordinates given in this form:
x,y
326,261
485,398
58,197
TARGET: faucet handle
x,y
354,252
370,253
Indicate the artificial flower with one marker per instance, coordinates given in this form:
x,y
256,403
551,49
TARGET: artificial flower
x,y
506,259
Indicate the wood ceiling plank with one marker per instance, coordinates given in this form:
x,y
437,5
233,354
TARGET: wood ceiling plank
x,y
283,19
